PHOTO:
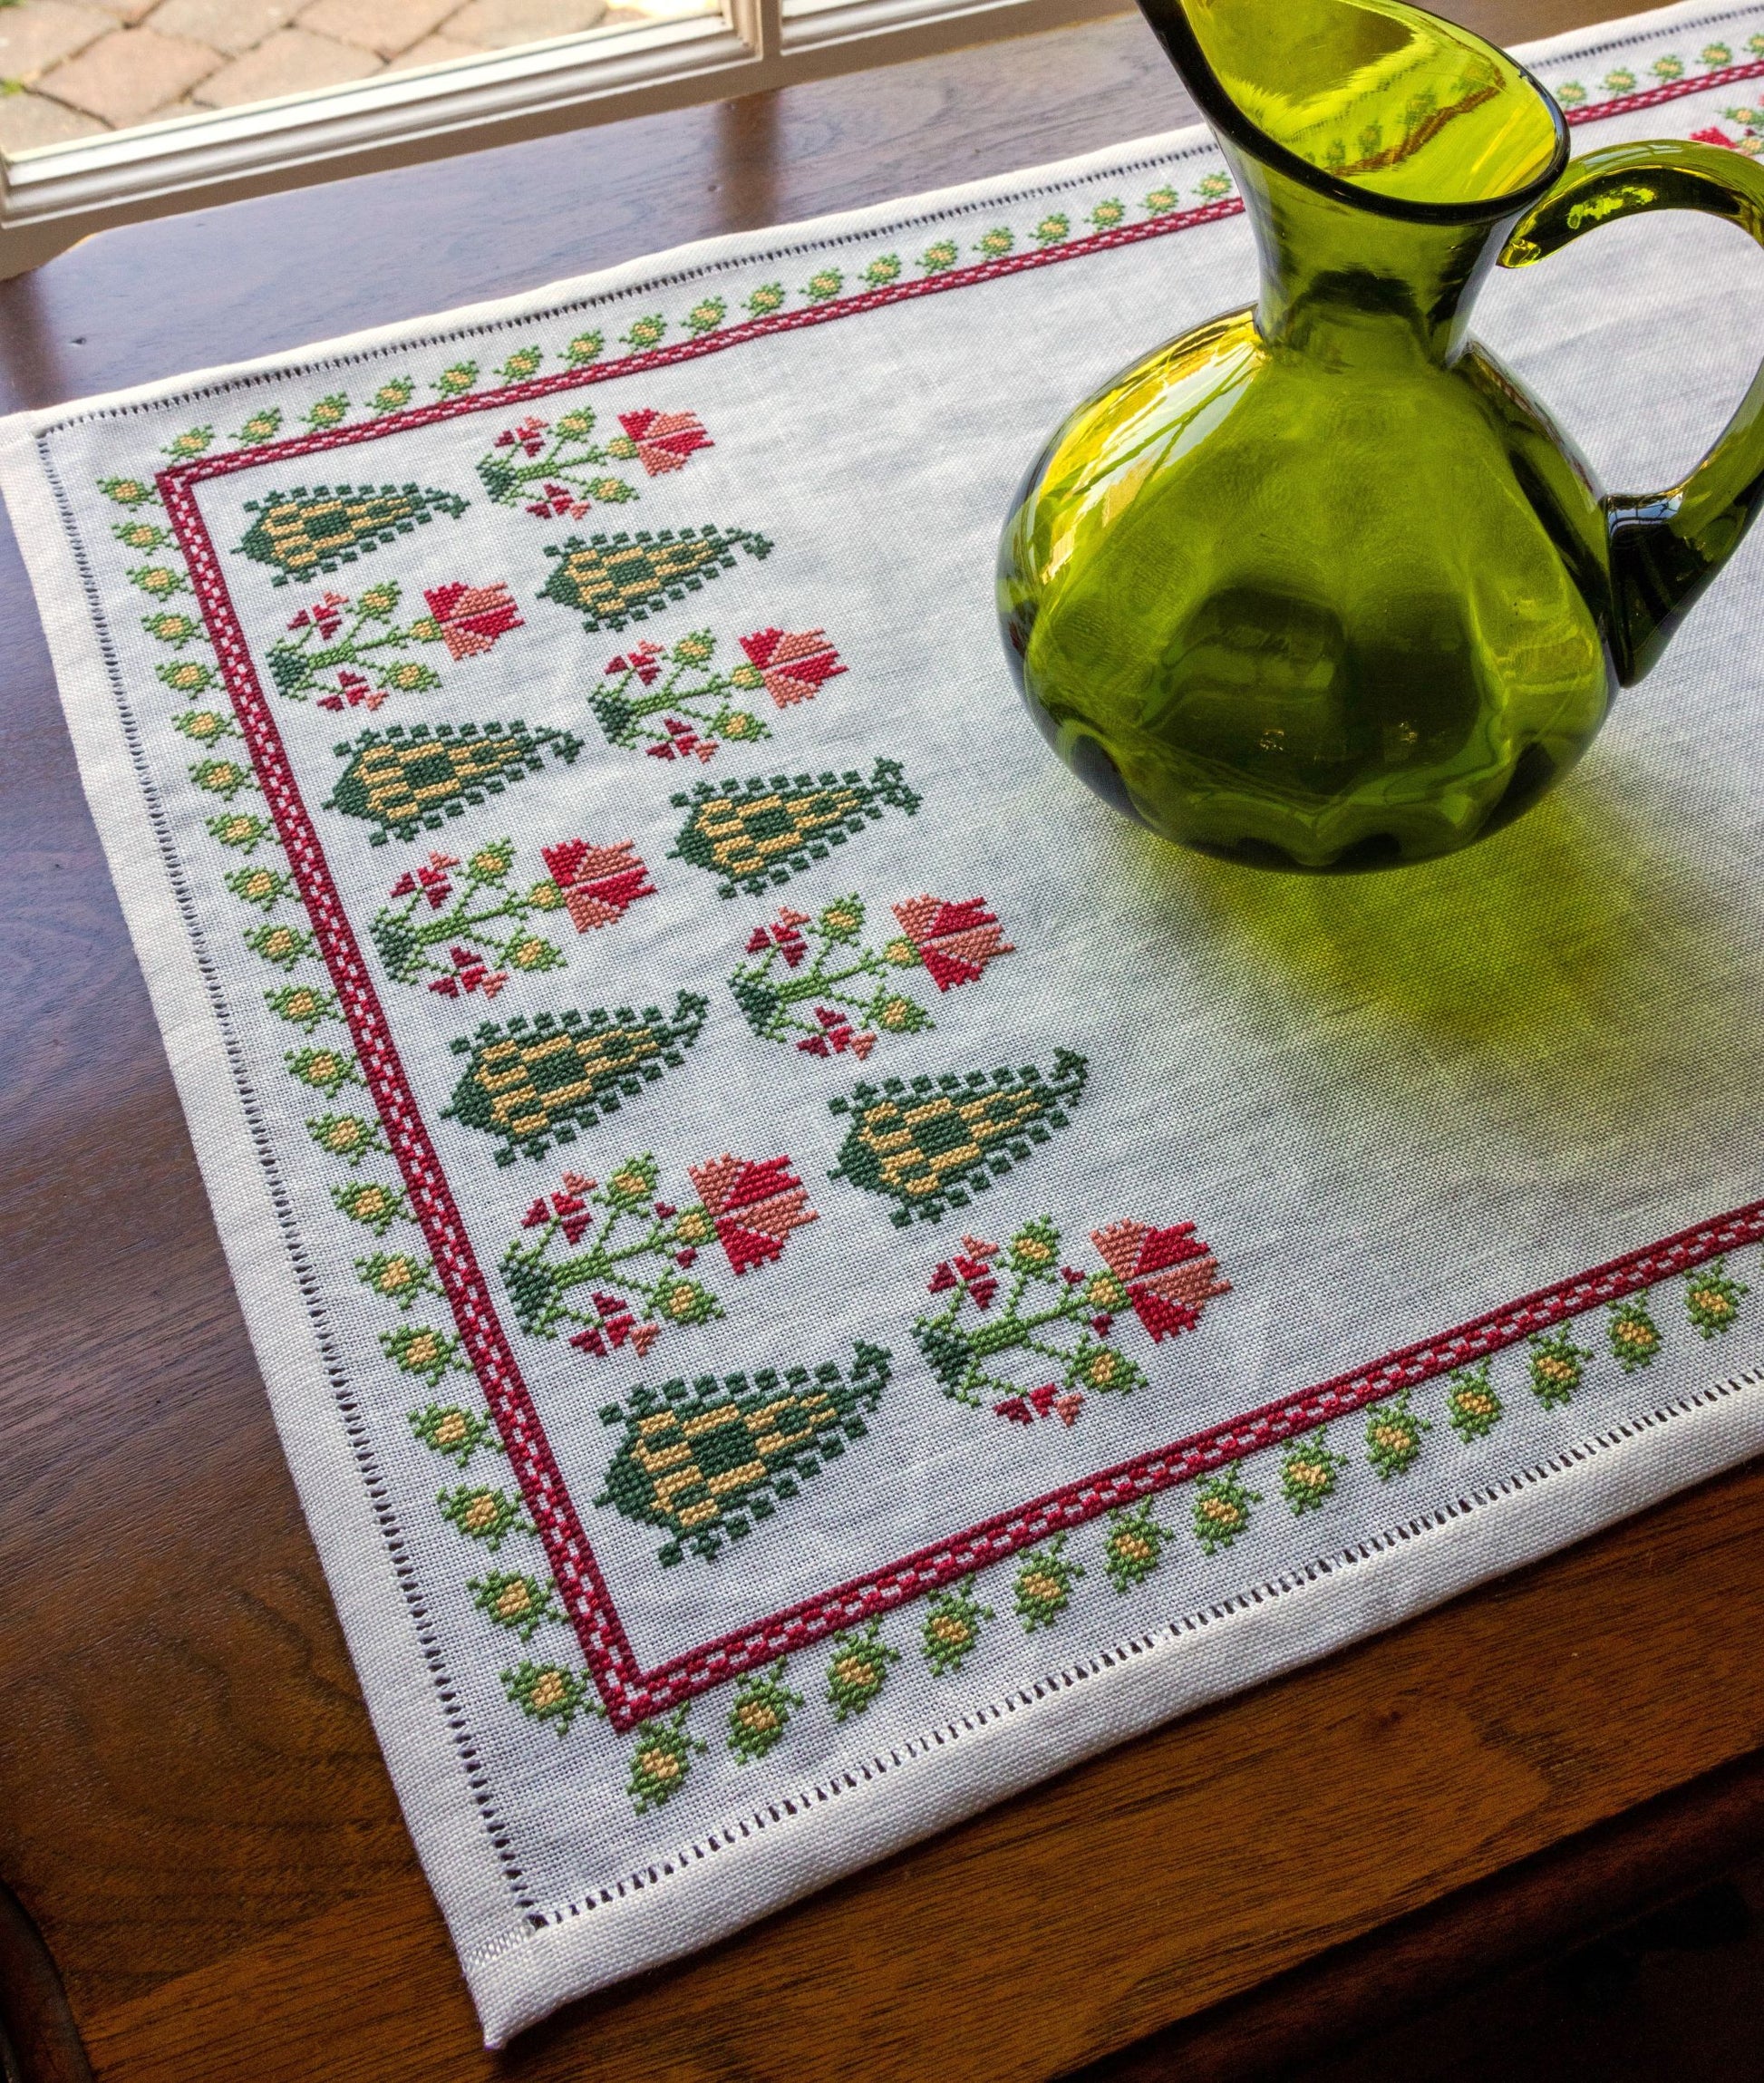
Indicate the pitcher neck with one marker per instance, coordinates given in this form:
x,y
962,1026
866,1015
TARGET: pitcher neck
x,y
1355,287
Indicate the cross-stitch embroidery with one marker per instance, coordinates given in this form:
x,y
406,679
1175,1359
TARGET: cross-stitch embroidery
x,y
561,459
616,1235
1221,1509
446,1428
1472,1405
951,1628
661,1761
783,1001
533,1083
1712,1299
932,1144
619,578
548,1693
1634,1334
1557,1364
700,704
301,532
1310,1471
1066,1322
405,782
1044,1584
1134,1547
471,934
760,831
1394,1438
760,1713
361,666
707,1462
858,1669
481,1513
513,1600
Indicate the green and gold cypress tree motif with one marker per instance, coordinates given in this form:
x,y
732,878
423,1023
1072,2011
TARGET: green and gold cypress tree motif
x,y
760,831
706,1461
302,533
534,1082
619,578
930,1144
403,781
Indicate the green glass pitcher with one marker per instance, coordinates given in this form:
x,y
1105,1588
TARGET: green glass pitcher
x,y
1319,585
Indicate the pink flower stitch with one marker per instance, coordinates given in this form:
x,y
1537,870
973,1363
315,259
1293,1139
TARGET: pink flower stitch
x,y
664,440
470,618
1711,136
754,1206
597,883
641,660
837,1035
432,881
471,973
793,668
680,740
324,615
1169,1275
954,941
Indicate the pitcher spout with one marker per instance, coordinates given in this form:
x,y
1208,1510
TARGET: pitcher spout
x,y
1385,108
1379,151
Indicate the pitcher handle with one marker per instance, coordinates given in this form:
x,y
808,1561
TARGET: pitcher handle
x,y
1664,546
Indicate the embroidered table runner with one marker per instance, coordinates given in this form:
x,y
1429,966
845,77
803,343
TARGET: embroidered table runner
x,y
810,1274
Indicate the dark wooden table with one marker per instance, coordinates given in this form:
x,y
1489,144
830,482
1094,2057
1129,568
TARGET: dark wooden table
x,y
192,1808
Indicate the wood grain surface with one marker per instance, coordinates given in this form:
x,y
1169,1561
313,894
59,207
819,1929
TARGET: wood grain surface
x,y
193,1807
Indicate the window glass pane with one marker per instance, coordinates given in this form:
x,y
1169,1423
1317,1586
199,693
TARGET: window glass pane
x,y
77,68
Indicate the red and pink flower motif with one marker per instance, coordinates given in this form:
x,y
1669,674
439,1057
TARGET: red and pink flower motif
x,y
680,741
784,934
664,440
470,618
793,668
432,882
954,941
529,437
598,884
469,973
753,1205
642,659
1169,1275
325,615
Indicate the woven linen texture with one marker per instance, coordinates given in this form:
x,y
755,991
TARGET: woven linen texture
x,y
809,1273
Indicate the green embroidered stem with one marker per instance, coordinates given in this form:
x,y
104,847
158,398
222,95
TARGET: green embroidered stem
x,y
543,1287
699,700
407,933
962,1357
773,990
569,466
371,659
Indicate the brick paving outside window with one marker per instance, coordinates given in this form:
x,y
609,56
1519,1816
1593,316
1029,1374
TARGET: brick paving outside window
x,y
71,68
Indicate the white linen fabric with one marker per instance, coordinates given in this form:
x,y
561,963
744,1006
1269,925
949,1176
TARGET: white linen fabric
x,y
423,772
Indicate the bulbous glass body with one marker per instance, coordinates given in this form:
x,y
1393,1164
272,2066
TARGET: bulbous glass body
x,y
1307,615
1318,584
